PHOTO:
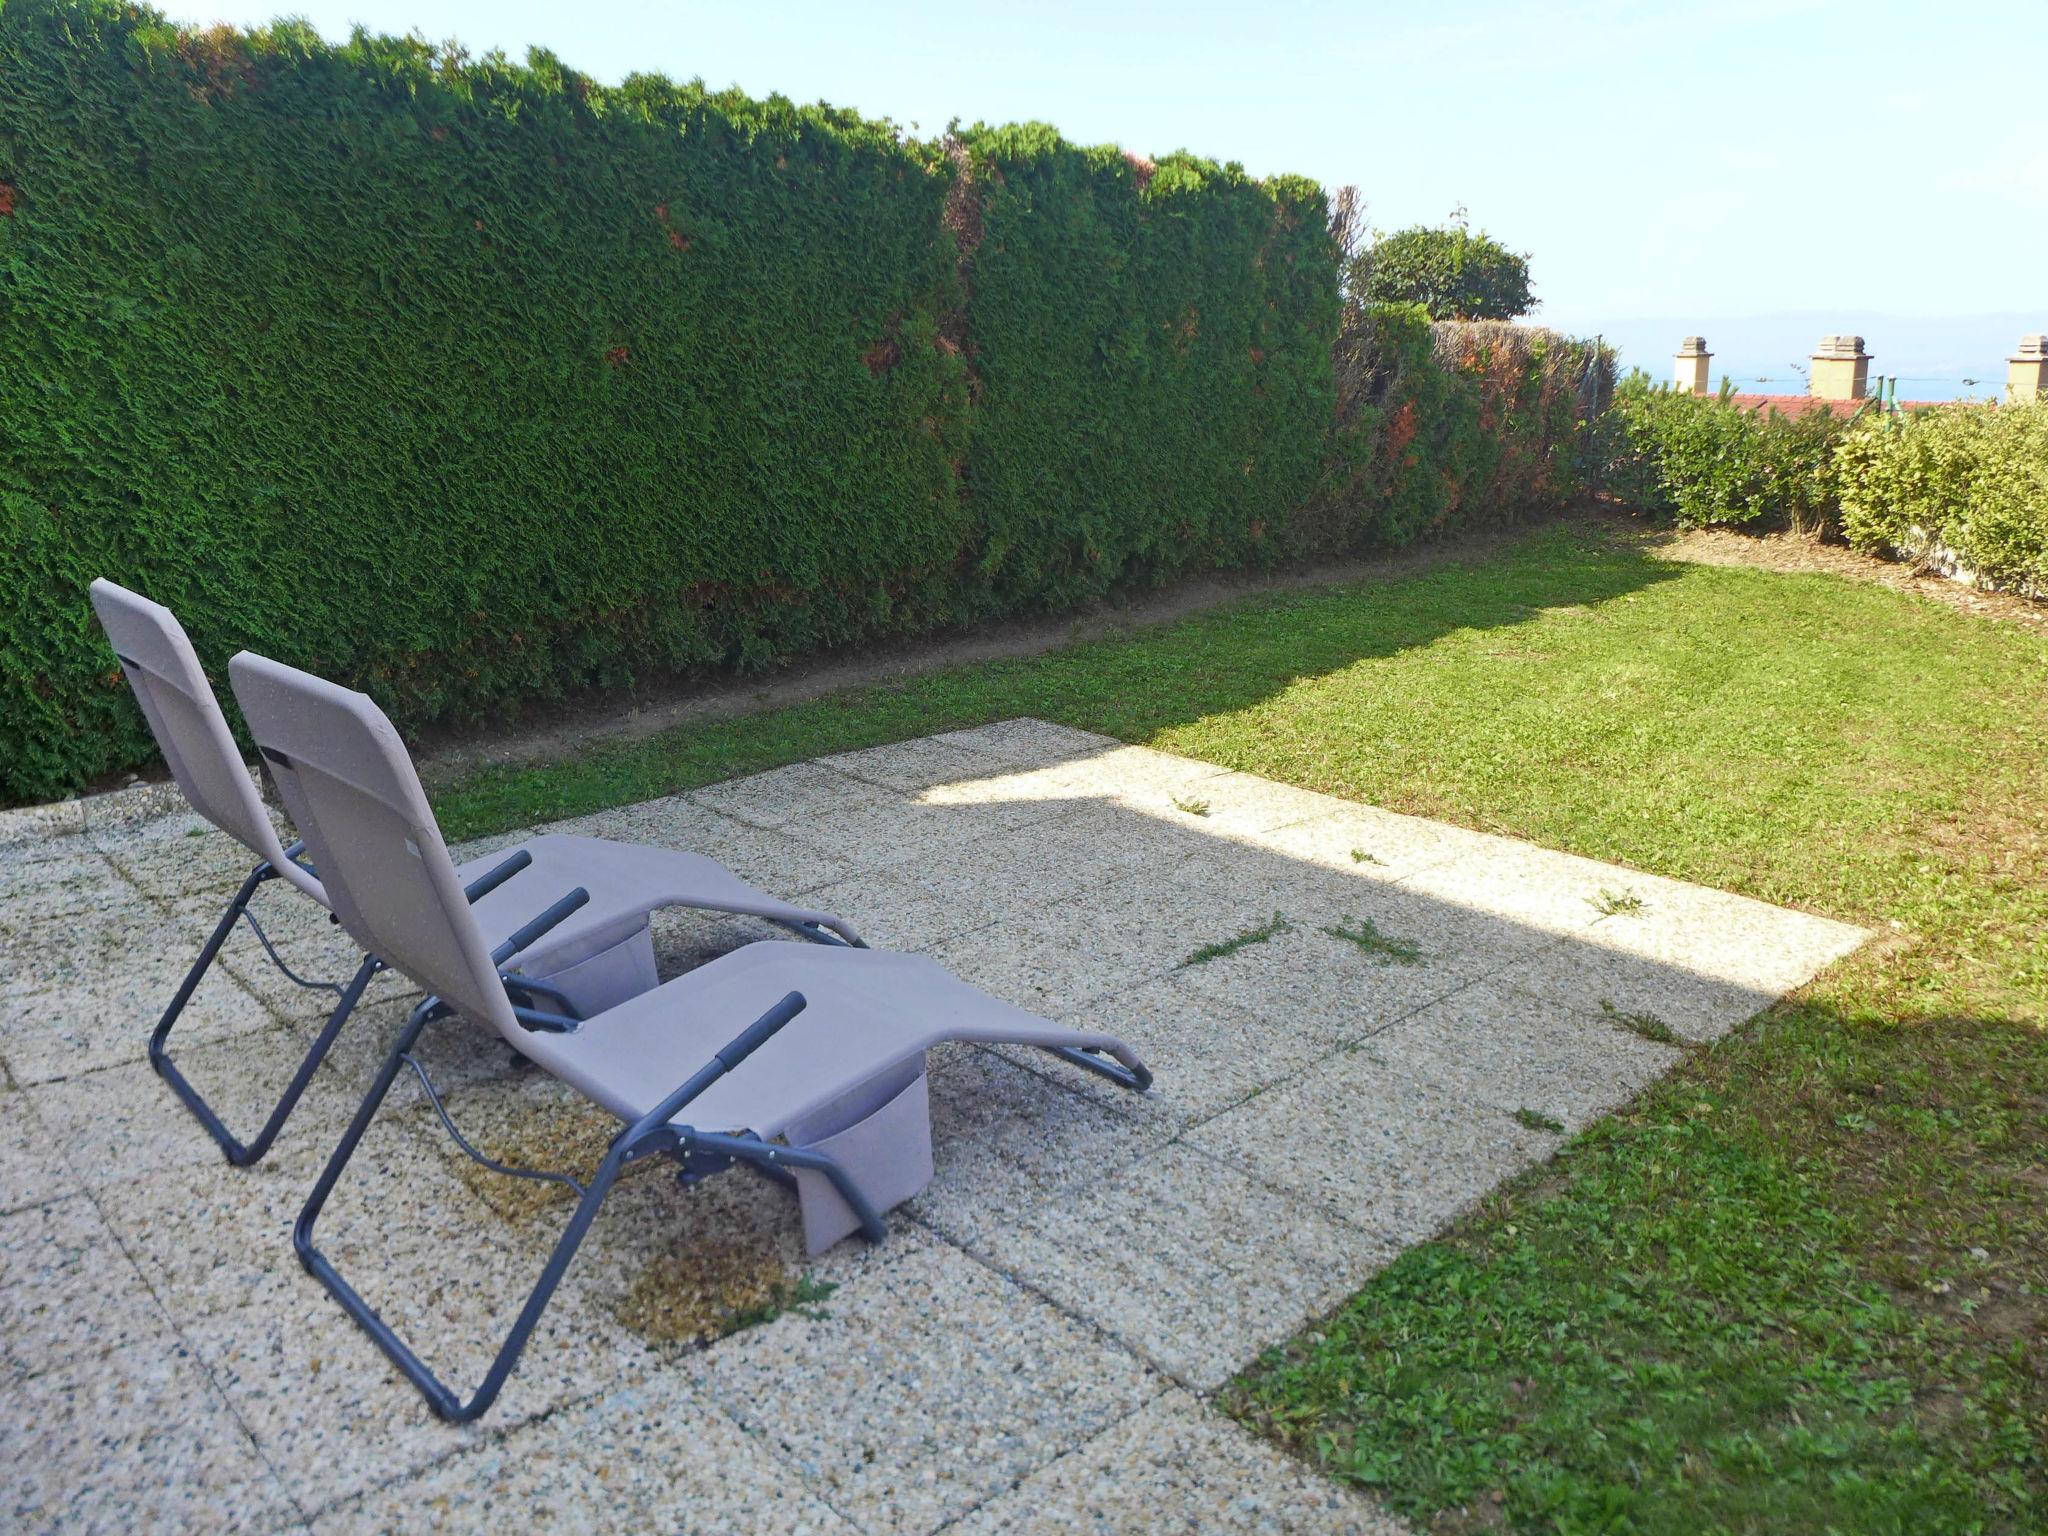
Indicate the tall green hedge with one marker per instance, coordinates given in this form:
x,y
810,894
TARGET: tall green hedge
x,y
463,382
1151,345
469,382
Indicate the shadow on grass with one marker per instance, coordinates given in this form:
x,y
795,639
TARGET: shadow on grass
x,y
1132,686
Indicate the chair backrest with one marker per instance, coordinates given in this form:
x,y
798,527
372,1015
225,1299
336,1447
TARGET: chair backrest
x,y
350,787
184,716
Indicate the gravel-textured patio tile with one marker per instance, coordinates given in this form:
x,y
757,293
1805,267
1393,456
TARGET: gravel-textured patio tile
x,y
655,1455
31,1170
189,858
1153,922
1004,1139
1243,805
1581,973
1728,938
1534,887
1312,986
333,1416
1393,846
26,828
1177,1466
1025,740
69,880
916,1392
93,1001
125,1122
67,1290
1391,1155
756,854
328,1410
1205,1055
797,793
1490,1044
1034,965
137,1441
213,1238
685,939
1192,1264
888,833
1137,778
897,912
210,1239
911,767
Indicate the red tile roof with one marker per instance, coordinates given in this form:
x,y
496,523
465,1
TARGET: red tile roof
x,y
1799,405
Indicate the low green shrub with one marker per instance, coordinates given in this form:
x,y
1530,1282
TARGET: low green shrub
x,y
1702,459
1960,486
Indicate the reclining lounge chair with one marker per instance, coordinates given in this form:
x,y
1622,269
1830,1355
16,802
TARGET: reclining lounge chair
x,y
805,1063
601,955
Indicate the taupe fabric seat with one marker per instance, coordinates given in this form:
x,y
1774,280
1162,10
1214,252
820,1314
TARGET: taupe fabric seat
x,y
806,1062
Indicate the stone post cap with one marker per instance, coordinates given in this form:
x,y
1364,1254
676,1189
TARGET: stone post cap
x,y
1839,346
1696,346
2032,349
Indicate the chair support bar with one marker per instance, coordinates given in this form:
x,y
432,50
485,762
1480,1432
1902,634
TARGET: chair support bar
x,y
238,1152
654,1132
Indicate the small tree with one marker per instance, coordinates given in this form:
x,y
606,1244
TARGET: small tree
x,y
1451,272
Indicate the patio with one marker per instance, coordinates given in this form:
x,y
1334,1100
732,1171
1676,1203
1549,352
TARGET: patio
x,y
1031,1349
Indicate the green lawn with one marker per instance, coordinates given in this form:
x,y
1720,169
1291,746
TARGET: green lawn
x,y
1803,1285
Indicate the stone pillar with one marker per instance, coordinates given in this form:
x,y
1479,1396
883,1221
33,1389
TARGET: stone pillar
x,y
1841,369
2026,372
1692,361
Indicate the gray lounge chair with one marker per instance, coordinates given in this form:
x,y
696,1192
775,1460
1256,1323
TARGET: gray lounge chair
x,y
804,1063
601,955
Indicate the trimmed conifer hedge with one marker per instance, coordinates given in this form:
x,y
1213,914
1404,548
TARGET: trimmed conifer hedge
x,y
468,382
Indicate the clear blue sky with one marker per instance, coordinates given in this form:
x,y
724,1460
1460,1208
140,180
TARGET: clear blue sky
x,y
1739,157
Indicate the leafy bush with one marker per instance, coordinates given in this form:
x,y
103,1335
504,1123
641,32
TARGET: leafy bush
x,y
1961,486
1450,425
1702,459
1452,273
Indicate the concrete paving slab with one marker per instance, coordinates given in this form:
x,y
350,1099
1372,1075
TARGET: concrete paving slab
x,y
1308,985
1513,1050
1028,741
1190,1263
67,1291
1583,974
1208,1055
1394,1157
93,1001
1178,1466
1367,842
121,1123
29,1174
913,766
907,1401
135,1440
1004,1140
655,1455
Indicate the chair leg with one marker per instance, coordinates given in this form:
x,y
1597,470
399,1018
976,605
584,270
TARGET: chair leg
x,y
237,1152
635,1142
441,1398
